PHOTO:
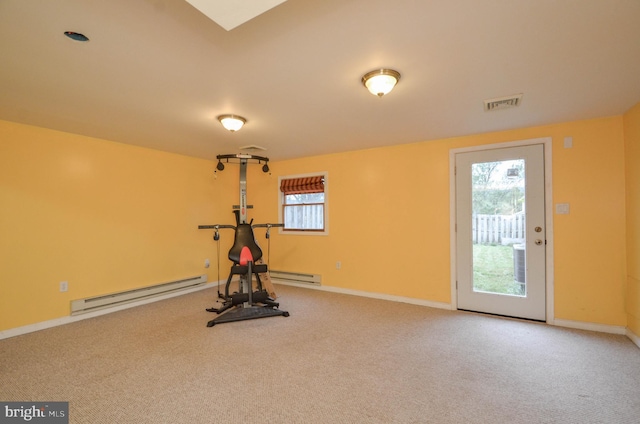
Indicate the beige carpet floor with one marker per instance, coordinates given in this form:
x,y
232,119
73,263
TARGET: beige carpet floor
x,y
336,359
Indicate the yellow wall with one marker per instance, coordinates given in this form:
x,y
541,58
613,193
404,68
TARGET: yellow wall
x,y
389,219
632,156
107,217
103,216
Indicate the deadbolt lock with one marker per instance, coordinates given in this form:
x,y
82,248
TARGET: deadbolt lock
x,y
538,242
538,229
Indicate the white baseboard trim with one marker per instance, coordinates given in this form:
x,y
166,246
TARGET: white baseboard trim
x,y
590,326
634,338
13,332
579,325
401,299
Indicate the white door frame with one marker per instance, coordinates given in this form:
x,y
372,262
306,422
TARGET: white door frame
x,y
548,200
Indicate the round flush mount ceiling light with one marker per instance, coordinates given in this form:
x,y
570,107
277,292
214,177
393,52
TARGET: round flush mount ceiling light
x,y
381,81
76,36
232,123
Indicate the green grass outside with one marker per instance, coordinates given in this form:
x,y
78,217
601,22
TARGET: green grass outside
x,y
493,270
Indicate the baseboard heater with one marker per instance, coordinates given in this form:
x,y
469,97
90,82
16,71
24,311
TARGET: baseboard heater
x,y
90,304
296,277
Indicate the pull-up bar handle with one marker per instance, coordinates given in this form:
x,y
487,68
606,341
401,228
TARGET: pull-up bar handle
x,y
215,227
243,156
267,225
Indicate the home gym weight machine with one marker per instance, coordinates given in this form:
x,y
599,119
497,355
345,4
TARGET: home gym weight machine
x,y
246,303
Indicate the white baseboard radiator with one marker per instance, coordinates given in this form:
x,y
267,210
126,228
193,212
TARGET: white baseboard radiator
x,y
91,304
296,277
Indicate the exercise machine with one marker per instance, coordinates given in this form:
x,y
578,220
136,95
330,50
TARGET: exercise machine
x,y
246,255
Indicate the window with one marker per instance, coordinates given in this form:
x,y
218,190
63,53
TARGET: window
x,y
303,203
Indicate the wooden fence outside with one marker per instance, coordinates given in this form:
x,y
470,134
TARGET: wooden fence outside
x,y
308,217
498,229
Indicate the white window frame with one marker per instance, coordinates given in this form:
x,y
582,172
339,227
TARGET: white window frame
x,y
325,176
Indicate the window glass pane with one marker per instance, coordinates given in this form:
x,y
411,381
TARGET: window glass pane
x,y
498,227
298,199
307,217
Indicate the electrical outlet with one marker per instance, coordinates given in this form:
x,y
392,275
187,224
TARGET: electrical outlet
x,y
207,263
64,286
338,265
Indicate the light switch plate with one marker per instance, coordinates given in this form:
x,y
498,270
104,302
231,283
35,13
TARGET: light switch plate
x,y
568,142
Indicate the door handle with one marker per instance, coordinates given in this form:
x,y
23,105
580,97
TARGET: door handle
x,y
538,242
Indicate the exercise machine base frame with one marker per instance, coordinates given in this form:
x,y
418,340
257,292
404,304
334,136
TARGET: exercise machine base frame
x,y
247,313
250,304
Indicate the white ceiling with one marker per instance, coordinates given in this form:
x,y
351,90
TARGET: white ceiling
x,y
156,73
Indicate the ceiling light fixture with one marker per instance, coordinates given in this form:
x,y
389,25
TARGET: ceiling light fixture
x,y
381,81
232,122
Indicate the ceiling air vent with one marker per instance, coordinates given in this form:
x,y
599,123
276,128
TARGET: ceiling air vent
x,y
502,102
253,147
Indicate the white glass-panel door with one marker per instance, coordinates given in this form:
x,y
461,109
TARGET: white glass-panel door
x,y
500,231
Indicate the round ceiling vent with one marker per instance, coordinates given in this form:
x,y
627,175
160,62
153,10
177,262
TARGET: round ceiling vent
x,y
76,36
